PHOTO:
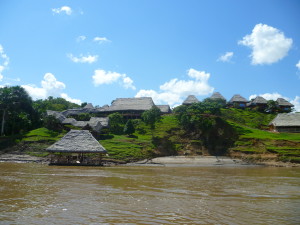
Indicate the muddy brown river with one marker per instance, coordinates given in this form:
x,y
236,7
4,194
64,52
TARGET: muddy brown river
x,y
41,194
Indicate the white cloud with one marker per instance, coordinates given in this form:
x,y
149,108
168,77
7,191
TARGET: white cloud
x,y
226,57
65,96
107,77
175,91
296,103
83,59
50,87
268,44
4,61
298,65
80,38
269,96
100,40
64,9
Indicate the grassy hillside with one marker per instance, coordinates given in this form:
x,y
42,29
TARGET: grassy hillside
x,y
168,138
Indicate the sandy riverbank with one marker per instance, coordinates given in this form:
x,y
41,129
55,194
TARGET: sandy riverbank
x,y
184,161
193,161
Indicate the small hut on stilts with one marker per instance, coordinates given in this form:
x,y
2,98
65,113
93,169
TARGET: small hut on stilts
x,y
77,147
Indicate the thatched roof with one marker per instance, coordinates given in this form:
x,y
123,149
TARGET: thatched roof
x,y
259,100
286,120
190,100
164,108
216,96
104,121
125,104
56,114
77,141
283,102
89,106
238,98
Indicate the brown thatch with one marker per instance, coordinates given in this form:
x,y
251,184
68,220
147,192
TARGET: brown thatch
x,y
238,99
131,104
259,101
190,100
216,96
89,106
77,141
286,120
164,108
283,102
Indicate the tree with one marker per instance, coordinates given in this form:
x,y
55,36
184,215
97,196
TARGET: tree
x,y
116,123
16,104
151,117
129,128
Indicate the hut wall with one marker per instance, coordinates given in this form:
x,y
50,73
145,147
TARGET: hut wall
x,y
288,129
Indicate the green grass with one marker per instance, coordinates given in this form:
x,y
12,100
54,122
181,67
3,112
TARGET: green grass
x,y
41,134
251,133
248,117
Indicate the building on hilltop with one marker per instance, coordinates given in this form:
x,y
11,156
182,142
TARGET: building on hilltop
x,y
238,101
258,102
164,109
191,99
216,96
286,122
75,148
284,105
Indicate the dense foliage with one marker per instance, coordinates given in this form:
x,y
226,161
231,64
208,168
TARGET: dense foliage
x,y
202,121
16,111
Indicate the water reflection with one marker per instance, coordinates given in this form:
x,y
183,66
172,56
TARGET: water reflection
x,y
35,194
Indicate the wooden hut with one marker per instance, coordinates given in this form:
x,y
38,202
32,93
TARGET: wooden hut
x,y
238,101
130,107
77,147
191,99
164,109
284,105
216,96
286,122
258,102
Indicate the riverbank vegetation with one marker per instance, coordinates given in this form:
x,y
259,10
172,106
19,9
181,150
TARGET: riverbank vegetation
x,y
205,128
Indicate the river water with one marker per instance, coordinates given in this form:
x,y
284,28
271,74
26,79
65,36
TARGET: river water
x,y
41,194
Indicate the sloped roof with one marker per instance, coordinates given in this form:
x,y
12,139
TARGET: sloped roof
x,y
122,104
286,120
104,121
164,108
259,100
89,106
217,95
238,98
77,141
56,114
190,100
283,102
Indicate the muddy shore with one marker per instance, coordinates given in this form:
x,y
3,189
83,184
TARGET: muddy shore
x,y
161,161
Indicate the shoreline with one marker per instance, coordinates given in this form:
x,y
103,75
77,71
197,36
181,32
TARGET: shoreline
x,y
167,161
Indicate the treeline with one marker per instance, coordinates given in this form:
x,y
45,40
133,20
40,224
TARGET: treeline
x,y
19,113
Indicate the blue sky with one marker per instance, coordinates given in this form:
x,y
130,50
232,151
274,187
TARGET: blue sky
x,y
96,51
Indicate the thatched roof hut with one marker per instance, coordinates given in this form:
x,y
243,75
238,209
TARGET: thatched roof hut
x,y
131,104
77,141
283,102
164,109
286,122
89,106
259,101
191,99
217,96
56,114
238,98
238,101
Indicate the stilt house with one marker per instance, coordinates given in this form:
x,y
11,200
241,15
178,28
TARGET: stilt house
x,y
77,147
